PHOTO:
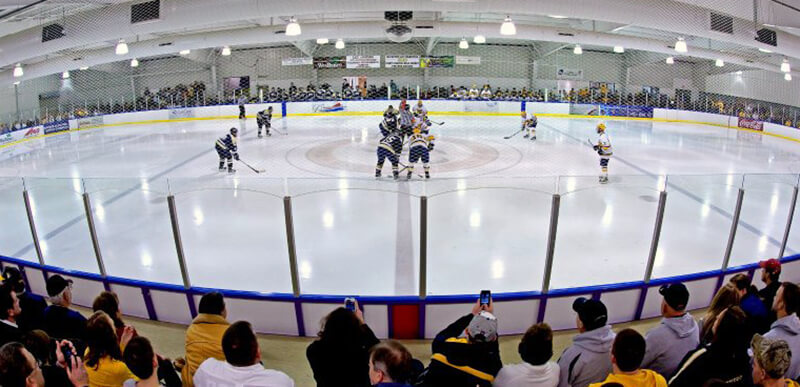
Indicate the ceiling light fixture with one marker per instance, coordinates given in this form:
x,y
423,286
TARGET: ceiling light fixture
x,y
764,50
787,76
670,60
463,44
479,39
122,47
719,63
577,50
184,52
65,75
785,66
680,46
508,27
293,29
339,44
84,68
226,51
322,41
18,70
134,62
619,49
557,16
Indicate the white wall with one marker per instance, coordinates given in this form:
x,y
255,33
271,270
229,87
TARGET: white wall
x,y
756,84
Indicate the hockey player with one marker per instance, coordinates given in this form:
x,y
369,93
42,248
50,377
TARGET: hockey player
x,y
420,112
227,150
389,124
530,126
603,147
242,101
420,146
389,148
406,121
264,118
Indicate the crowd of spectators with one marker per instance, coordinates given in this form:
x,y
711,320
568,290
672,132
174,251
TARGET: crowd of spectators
x,y
735,343
195,94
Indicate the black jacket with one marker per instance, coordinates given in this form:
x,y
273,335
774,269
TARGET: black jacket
x,y
768,296
9,334
63,323
32,316
478,363
710,362
341,367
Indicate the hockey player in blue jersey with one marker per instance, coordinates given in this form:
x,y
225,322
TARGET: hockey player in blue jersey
x,y
264,118
227,150
389,123
390,148
420,146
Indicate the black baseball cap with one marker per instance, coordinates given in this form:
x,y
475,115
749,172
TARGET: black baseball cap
x,y
593,313
56,284
675,295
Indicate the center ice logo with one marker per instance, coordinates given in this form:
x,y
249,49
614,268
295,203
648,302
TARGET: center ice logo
x,y
337,107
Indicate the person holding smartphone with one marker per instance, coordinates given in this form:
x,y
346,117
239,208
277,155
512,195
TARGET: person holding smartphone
x,y
340,357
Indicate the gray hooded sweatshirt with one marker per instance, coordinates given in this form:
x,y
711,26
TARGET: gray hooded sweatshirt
x,y
669,342
788,329
588,359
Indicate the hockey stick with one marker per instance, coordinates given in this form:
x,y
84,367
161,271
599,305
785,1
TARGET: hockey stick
x,y
437,123
514,134
406,167
251,167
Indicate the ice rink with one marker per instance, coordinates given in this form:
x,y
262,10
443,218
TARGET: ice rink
x,y
489,203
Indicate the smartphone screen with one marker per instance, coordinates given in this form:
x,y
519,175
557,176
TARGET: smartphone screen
x,y
486,297
350,304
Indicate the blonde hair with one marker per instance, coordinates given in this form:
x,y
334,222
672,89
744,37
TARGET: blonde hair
x,y
726,297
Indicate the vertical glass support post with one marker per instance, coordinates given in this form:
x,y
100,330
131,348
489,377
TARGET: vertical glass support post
x,y
788,222
289,221
551,242
423,247
662,202
176,233
734,225
87,206
26,197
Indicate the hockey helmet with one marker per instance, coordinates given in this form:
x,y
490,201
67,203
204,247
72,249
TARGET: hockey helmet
x,y
269,108
601,127
419,103
417,130
234,132
523,114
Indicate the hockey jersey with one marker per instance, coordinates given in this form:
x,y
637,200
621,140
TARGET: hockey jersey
x,y
604,145
264,117
389,122
420,112
421,140
406,118
227,142
392,143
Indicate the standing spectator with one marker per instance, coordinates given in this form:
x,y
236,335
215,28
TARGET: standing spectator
x,y
340,357
471,360
725,358
726,297
677,334
588,359
757,313
626,356
242,365
103,355
536,370
143,362
242,101
204,336
9,310
771,359
32,304
770,275
390,365
61,322
787,326
109,302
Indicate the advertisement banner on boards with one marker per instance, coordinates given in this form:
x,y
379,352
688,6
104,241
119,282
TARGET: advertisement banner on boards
x,y
56,126
749,123
330,62
468,60
297,61
626,111
181,113
363,62
86,122
397,61
564,73
437,62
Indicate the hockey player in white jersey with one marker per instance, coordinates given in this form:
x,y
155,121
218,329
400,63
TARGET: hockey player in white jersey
x,y
420,112
420,146
603,147
529,125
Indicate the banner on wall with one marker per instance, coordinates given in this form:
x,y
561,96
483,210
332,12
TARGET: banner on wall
x,y
437,62
86,122
330,62
181,113
329,107
749,123
56,126
363,62
564,73
397,61
6,138
468,60
297,61
626,111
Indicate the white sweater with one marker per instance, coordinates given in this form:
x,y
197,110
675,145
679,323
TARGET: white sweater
x,y
527,375
215,373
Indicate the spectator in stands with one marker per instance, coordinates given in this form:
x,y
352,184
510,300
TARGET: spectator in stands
x,y
626,356
751,304
770,275
143,362
38,343
109,302
390,365
588,359
242,365
32,305
677,335
771,359
61,322
725,358
204,336
18,368
9,310
536,370
726,297
466,353
340,357
787,326
103,355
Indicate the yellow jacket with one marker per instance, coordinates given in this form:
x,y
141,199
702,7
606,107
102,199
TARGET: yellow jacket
x,y
203,341
642,378
108,373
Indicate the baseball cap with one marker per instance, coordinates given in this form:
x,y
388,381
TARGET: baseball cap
x,y
56,284
483,327
593,313
772,265
774,356
676,295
